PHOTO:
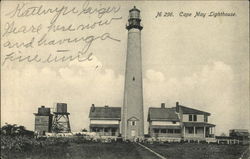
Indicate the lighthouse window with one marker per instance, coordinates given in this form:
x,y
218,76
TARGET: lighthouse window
x,y
133,123
133,78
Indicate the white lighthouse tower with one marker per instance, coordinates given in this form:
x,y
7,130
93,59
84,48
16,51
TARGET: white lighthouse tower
x,y
132,124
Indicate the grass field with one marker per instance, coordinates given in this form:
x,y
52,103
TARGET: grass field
x,y
200,151
83,151
91,150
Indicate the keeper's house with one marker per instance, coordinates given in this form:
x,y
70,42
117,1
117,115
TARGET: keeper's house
x,y
195,123
105,121
164,122
179,122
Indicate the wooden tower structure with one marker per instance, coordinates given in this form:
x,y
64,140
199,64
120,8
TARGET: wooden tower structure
x,y
61,122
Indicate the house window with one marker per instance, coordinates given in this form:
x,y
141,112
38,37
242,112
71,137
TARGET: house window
x,y
133,78
106,130
170,131
205,118
156,130
174,122
133,123
190,117
177,131
195,117
95,129
164,131
190,130
113,131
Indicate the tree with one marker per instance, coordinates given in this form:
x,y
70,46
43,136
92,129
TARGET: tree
x,y
223,134
15,130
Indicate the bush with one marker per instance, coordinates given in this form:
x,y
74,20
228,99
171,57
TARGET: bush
x,y
15,130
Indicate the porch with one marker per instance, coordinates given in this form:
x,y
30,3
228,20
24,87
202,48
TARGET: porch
x,y
165,131
105,129
198,131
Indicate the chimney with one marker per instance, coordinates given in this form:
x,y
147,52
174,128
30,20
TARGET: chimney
x,y
162,105
106,106
42,106
93,107
177,107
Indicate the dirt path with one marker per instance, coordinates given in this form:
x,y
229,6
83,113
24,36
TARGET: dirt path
x,y
145,153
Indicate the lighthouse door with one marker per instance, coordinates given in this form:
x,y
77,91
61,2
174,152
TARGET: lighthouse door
x,y
133,133
133,128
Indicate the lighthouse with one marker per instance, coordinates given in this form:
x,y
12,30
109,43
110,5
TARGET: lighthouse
x,y
132,124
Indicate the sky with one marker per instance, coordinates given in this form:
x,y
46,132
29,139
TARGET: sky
x,y
202,63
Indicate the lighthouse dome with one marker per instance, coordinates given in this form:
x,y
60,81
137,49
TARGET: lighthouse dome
x,y
134,19
134,13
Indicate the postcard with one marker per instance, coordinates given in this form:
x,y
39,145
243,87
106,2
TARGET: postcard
x,y
125,79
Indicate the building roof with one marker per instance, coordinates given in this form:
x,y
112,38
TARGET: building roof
x,y
239,132
167,114
187,110
105,112
165,126
134,9
197,124
37,114
104,125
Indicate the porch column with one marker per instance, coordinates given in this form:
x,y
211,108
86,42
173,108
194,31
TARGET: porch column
x,y
204,132
184,131
211,131
194,131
